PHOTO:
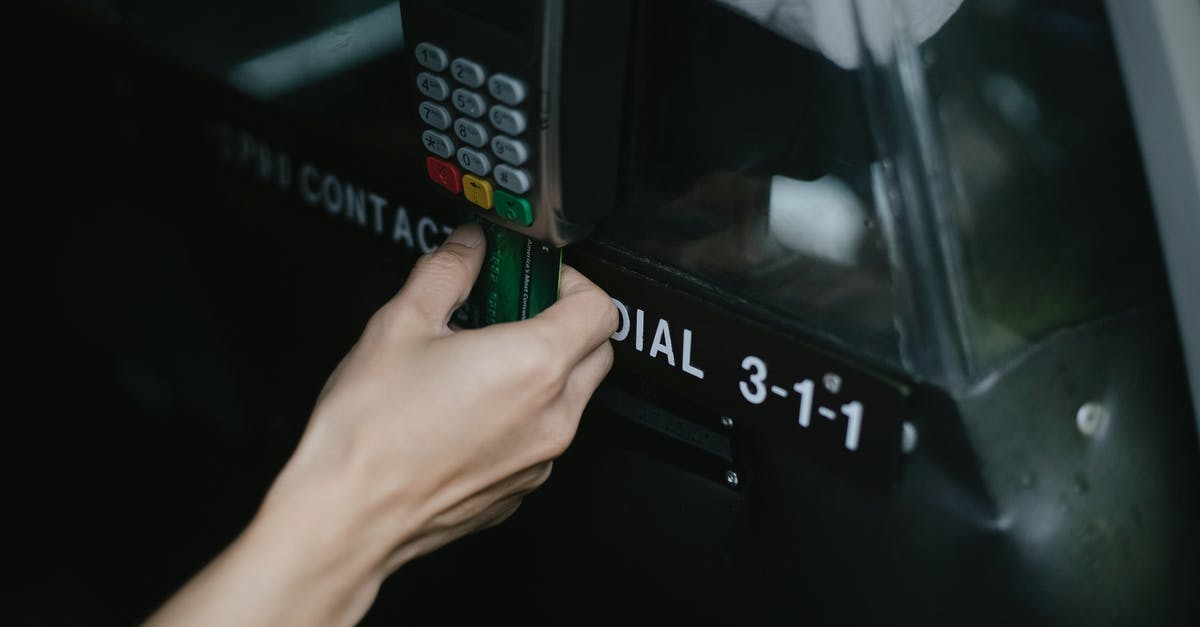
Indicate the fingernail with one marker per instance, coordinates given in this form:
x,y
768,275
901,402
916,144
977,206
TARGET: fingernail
x,y
469,235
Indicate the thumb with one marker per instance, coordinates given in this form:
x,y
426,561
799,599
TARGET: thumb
x,y
440,281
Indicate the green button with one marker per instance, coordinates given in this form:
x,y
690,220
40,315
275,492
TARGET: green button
x,y
513,208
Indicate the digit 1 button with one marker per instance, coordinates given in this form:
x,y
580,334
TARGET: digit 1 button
x,y
512,179
444,174
431,56
506,89
513,208
477,191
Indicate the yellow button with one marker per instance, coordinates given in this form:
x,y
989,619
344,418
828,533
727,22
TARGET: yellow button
x,y
477,191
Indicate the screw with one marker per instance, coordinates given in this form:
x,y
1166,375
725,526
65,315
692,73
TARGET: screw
x,y
727,422
731,478
1090,418
832,382
908,438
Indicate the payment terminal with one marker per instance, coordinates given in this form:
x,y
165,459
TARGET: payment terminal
x,y
520,127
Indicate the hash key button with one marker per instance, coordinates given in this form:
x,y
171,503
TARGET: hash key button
x,y
512,179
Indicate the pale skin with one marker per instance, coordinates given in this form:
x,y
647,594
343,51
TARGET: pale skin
x,y
422,434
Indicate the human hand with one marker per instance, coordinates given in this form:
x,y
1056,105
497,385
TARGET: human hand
x,y
421,435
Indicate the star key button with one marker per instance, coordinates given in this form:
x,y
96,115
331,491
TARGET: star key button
x,y
444,174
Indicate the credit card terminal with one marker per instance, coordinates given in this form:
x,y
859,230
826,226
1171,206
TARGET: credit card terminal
x,y
519,106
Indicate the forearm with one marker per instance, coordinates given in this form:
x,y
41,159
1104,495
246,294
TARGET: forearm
x,y
298,563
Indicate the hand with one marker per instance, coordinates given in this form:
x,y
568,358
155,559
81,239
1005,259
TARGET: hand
x,y
422,434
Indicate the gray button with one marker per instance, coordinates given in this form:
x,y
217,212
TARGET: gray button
x,y
510,150
507,120
467,72
474,161
438,144
512,179
469,102
432,86
471,132
431,56
506,89
436,116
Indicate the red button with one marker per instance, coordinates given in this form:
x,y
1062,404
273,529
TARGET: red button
x,y
444,174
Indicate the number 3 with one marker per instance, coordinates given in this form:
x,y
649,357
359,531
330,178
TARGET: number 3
x,y
758,375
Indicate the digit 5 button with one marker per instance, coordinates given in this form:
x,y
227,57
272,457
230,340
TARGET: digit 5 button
x,y
444,173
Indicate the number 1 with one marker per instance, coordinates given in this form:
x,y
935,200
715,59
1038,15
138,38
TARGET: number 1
x,y
805,390
854,414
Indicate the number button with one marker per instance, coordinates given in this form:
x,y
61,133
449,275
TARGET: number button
x,y
474,161
506,89
430,56
438,144
510,150
469,102
468,73
434,115
432,86
471,132
512,179
509,121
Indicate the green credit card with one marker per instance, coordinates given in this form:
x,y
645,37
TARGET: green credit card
x,y
519,278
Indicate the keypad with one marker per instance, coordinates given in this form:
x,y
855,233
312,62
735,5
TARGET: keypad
x,y
485,121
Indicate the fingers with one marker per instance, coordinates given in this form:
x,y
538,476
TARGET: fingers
x,y
583,318
586,377
440,281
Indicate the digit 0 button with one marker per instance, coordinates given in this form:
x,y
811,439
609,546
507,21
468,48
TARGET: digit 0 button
x,y
443,173
506,89
513,208
474,161
512,179
431,56
478,191
467,72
